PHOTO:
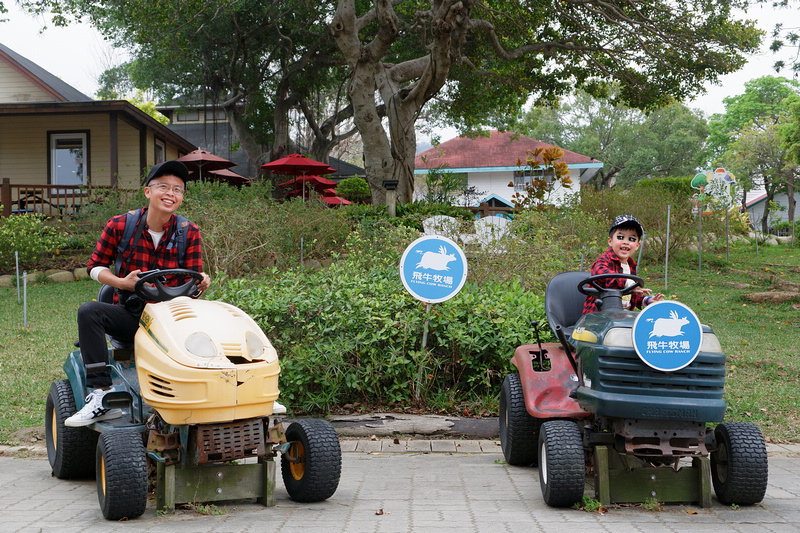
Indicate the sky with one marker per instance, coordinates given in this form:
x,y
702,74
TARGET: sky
x,y
78,55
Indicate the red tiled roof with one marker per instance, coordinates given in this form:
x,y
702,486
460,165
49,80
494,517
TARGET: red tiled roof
x,y
497,150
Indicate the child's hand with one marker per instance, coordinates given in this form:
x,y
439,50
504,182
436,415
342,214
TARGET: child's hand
x,y
652,299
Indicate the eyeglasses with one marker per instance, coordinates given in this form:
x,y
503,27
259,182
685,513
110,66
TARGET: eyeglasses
x,y
163,188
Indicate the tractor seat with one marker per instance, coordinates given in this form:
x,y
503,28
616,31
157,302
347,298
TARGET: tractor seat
x,y
106,295
563,304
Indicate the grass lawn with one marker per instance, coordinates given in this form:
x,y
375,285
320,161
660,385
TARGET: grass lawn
x,y
762,341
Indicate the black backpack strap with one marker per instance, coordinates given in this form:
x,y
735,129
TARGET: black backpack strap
x,y
181,231
132,221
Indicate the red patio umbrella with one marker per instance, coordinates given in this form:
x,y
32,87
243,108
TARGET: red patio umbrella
x,y
297,165
335,200
313,181
200,160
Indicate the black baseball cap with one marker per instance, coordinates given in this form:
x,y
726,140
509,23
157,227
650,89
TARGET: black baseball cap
x,y
168,168
627,222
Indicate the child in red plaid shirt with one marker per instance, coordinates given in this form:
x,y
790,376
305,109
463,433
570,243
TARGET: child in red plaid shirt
x,y
624,238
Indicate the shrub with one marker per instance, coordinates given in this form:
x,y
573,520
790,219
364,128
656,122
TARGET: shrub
x,y
246,231
354,189
31,237
352,334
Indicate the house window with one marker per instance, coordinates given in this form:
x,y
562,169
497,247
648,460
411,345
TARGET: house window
x,y
219,115
68,156
160,152
187,116
523,177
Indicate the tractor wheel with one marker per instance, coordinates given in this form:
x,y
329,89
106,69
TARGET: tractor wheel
x,y
69,450
121,474
312,465
519,431
562,474
739,464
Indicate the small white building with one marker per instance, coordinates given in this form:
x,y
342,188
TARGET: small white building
x,y
755,208
490,163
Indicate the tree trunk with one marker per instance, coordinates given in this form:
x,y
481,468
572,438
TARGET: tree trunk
x,y
404,88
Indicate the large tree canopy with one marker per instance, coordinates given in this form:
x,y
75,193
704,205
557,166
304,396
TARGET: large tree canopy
x,y
632,144
479,61
746,138
484,59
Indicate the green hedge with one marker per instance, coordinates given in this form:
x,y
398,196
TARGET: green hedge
x,y
347,334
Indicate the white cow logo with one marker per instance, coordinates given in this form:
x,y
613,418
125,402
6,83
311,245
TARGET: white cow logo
x,y
435,261
668,327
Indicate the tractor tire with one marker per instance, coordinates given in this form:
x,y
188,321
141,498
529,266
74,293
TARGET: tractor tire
x,y
739,469
121,474
313,464
69,450
562,472
519,431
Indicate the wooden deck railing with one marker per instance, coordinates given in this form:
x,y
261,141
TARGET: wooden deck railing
x,y
485,210
44,199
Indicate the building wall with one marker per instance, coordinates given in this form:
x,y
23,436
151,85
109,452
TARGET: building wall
x,y
756,211
15,88
24,146
497,183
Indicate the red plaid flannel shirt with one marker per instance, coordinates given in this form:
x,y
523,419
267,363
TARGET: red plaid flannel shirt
x,y
145,257
609,263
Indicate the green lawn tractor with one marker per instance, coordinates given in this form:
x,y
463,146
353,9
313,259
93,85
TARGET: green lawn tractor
x,y
634,399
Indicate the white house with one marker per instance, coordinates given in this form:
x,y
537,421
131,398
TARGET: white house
x,y
755,208
490,164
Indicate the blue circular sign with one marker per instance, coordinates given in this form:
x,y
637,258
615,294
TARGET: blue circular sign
x,y
667,335
433,269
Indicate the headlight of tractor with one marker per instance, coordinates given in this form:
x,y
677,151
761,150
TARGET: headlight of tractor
x,y
619,338
255,347
200,345
710,343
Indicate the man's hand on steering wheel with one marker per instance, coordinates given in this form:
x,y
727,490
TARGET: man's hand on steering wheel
x,y
151,286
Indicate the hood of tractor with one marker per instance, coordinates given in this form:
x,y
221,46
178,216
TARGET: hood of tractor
x,y
615,382
202,361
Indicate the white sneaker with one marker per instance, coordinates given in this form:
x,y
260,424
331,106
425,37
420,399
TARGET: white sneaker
x,y
93,411
278,409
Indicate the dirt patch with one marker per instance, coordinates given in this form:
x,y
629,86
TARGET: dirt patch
x,y
786,286
734,284
29,437
772,297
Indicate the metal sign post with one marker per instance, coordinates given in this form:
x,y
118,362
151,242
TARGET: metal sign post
x,y
433,269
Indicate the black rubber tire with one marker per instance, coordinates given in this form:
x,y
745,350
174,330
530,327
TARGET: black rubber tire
x,y
519,431
562,463
121,474
316,476
69,450
739,466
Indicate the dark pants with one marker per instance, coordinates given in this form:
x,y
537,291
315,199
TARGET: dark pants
x,y
95,319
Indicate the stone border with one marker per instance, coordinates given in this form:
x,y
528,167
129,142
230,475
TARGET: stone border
x,y
53,275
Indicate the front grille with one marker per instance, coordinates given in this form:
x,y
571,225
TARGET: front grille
x,y
228,442
622,372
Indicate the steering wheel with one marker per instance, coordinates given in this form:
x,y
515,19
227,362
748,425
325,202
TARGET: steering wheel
x,y
594,290
159,292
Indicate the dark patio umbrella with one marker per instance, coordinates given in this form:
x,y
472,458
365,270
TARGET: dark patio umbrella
x,y
230,176
201,160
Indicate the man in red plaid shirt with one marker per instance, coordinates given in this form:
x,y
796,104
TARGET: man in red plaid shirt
x,y
624,238
156,248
